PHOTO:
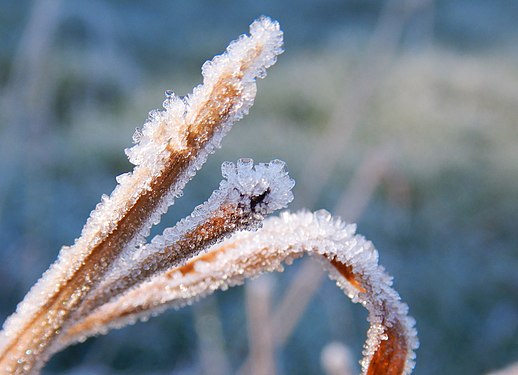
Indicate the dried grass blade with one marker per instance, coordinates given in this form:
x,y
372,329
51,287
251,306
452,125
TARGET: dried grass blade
x,y
349,259
174,143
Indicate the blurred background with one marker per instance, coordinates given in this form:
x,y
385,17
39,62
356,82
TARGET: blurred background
x,y
399,115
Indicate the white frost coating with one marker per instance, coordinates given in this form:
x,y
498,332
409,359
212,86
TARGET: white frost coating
x,y
259,190
244,60
247,254
270,179
251,191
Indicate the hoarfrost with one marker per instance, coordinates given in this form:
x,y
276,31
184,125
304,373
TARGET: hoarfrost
x,y
190,128
244,197
172,145
247,254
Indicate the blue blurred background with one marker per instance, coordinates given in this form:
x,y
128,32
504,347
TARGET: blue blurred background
x,y
400,115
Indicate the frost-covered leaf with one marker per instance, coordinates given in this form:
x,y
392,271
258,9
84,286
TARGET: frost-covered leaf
x,y
172,146
349,259
243,199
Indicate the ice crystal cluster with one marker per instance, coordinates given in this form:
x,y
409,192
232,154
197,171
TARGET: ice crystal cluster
x,y
111,276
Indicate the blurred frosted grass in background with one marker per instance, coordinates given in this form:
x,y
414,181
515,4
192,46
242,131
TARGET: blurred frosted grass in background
x,y
77,78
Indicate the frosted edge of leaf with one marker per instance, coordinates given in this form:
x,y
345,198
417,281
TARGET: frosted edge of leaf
x,y
258,189
149,153
280,240
381,300
270,182
253,191
245,60
163,125
319,233
261,189
267,38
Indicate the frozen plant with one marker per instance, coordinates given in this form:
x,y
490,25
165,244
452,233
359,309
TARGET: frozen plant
x,y
111,277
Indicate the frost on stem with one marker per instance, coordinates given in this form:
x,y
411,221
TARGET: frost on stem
x,y
110,278
172,146
350,260
247,194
